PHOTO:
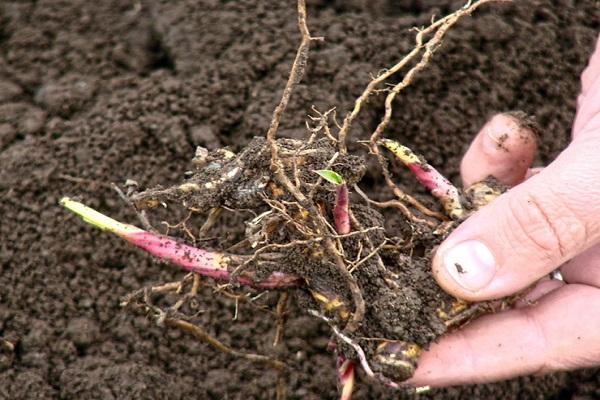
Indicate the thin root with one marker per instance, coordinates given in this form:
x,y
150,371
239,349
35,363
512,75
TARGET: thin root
x,y
199,333
280,313
397,205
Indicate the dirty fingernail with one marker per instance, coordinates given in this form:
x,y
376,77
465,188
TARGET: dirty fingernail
x,y
496,135
471,264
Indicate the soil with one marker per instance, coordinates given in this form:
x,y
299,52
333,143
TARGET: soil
x,y
99,92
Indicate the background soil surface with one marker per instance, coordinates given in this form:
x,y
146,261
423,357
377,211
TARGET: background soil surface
x,y
93,92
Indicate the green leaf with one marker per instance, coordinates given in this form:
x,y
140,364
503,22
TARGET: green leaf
x,y
331,176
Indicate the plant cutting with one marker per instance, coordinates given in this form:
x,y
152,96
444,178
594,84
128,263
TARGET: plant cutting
x,y
315,235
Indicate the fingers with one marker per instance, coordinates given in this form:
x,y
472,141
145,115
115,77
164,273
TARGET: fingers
x,y
541,288
587,119
533,171
504,149
592,71
528,231
559,332
585,268
588,103
522,236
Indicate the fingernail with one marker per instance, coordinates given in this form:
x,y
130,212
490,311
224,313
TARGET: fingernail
x,y
496,134
471,264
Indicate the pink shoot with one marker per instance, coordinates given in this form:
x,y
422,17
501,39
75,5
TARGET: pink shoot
x,y
345,370
436,183
341,215
203,262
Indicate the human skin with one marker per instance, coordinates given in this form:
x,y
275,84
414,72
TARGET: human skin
x,y
549,219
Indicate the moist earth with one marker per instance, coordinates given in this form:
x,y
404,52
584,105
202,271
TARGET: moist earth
x,y
99,92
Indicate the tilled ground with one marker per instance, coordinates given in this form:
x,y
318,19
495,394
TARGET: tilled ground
x,y
98,92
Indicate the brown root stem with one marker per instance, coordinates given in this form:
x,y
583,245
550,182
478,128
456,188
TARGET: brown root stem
x,y
201,334
295,76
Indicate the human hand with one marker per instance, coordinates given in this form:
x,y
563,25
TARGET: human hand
x,y
548,220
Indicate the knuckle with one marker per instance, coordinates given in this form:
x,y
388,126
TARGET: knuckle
x,y
544,222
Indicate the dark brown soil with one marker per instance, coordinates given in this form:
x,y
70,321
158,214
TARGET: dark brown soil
x,y
99,92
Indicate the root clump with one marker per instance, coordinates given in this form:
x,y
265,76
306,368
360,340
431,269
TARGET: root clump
x,y
321,240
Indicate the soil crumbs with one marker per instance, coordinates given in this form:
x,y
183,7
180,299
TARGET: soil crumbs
x,y
99,92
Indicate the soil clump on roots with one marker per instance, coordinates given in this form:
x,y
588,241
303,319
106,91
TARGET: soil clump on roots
x,y
403,302
120,92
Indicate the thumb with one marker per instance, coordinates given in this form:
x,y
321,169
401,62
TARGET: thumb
x,y
528,231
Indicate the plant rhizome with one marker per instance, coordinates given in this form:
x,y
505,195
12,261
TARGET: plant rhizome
x,y
314,234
